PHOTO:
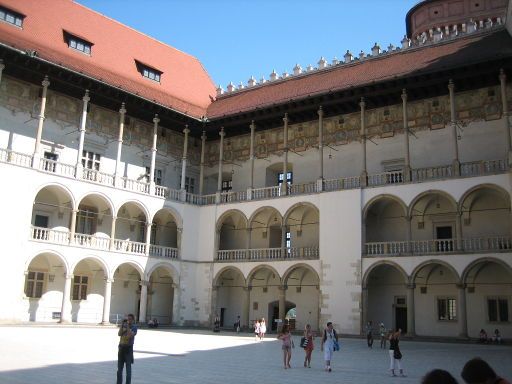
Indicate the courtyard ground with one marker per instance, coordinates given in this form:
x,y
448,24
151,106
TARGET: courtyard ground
x,y
75,354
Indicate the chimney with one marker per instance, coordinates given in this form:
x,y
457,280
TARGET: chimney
x,y
251,82
297,70
220,90
230,87
322,63
335,61
274,76
348,57
376,50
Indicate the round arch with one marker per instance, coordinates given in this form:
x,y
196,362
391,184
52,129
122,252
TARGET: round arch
x,y
137,203
98,259
262,209
290,270
413,203
50,252
377,198
494,187
58,186
259,268
372,267
173,212
225,269
171,268
298,205
432,262
139,268
228,213
474,263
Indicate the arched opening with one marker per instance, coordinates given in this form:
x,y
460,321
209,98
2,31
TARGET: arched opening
x,y
274,174
232,298
386,297
51,215
44,287
232,231
131,227
93,222
302,224
265,288
436,288
488,293
160,299
125,293
87,291
164,235
266,229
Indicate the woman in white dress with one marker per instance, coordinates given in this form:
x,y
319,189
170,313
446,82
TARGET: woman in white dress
x,y
263,328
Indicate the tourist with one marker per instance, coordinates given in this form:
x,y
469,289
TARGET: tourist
x,y
308,347
369,334
286,337
216,323
126,335
257,330
395,356
438,376
237,324
329,343
497,336
477,371
263,328
383,336
482,336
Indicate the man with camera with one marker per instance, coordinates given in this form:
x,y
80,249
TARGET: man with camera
x,y
127,334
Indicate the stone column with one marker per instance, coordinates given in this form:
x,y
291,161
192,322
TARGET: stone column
x,y
364,172
407,167
186,131
2,67
251,159
247,307
410,310
106,301
408,234
283,241
113,234
284,185
156,120
72,227
143,300
201,166
282,303
148,237
505,114
117,176
215,293
39,132
364,308
83,122
176,305
453,123
459,244
462,315
65,312
320,182
221,157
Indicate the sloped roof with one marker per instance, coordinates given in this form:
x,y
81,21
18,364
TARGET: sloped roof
x,y
185,85
450,54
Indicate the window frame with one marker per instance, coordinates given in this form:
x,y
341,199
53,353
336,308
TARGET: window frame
x,y
34,280
450,313
497,299
16,16
190,183
74,42
80,285
149,72
289,178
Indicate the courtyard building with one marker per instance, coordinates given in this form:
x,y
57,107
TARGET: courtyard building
x,y
373,188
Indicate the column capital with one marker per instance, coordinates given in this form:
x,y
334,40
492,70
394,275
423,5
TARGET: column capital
x,y
248,288
410,285
46,82
68,275
156,120
320,112
503,75
252,126
283,287
144,283
203,136
122,110
186,131
461,285
148,224
222,133
451,86
86,97
404,95
109,280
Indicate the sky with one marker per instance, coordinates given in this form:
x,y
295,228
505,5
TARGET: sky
x,y
237,39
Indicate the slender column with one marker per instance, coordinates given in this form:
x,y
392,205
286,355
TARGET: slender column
x,y
148,237
248,230
364,172
39,133
2,67
282,302
251,159
321,147
462,315
72,227
156,120
65,312
407,167
283,241
201,167
458,231
176,305
247,307
408,234
83,122
505,113
364,308
453,123
221,157
215,293
106,301
122,113
113,234
143,301
184,158
284,185
410,309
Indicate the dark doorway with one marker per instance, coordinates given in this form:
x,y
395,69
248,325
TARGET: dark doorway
x,y
401,318
222,314
444,233
273,312
41,221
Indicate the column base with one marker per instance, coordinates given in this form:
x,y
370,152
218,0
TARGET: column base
x,y
249,194
456,167
407,174
320,184
364,179
183,195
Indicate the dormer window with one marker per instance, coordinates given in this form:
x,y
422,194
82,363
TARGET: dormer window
x,y
148,72
11,17
78,43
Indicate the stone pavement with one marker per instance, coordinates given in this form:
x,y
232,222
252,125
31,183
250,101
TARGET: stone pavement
x,y
74,354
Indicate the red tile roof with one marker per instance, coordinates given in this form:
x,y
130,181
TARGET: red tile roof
x,y
185,85
450,54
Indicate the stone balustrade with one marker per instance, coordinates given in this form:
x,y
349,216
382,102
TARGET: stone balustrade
x,y
276,254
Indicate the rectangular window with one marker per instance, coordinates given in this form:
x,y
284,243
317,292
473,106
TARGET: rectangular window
x,y
78,43
91,160
289,178
227,185
86,220
158,176
11,17
148,72
497,309
446,308
190,184
50,162
80,287
35,284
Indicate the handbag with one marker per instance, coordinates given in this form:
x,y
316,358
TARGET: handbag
x,y
397,354
304,342
336,345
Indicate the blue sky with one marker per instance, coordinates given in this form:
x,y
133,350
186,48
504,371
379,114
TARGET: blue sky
x,y
235,39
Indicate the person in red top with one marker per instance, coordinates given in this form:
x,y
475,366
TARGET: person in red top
x,y
308,334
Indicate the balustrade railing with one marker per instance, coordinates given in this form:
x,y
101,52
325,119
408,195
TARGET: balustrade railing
x,y
161,251
50,235
17,158
174,194
300,189
53,166
233,196
92,241
395,177
266,193
438,246
302,253
135,185
232,254
341,184
97,176
265,254
431,173
161,191
128,246
268,254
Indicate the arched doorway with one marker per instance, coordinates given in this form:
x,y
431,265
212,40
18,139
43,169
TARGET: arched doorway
x,y
88,290
160,298
233,297
125,292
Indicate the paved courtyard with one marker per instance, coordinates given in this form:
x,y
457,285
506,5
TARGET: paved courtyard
x,y
52,354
